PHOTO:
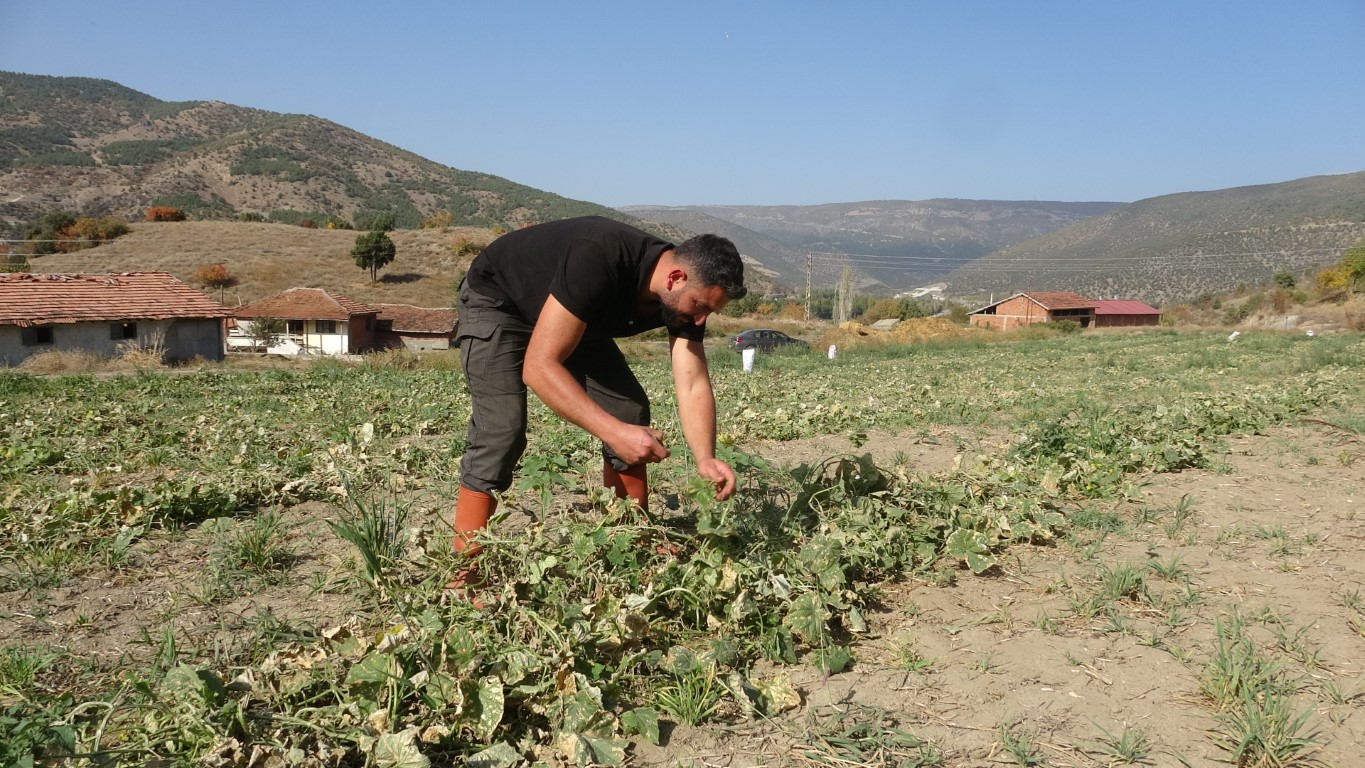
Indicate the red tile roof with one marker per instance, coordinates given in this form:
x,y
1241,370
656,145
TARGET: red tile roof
x,y
304,304
1060,299
1123,307
45,299
410,319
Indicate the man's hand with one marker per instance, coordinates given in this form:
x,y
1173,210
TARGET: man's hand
x,y
719,473
638,445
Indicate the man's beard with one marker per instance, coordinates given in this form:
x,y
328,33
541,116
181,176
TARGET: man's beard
x,y
670,317
669,312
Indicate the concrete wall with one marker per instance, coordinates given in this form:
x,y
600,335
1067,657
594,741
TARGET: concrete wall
x,y
182,339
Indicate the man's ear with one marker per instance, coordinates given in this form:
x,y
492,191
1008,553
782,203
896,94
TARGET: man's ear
x,y
677,276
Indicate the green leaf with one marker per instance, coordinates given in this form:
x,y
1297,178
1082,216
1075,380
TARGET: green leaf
x,y
833,660
856,622
490,706
500,755
644,721
442,691
680,660
980,562
806,617
607,751
376,668
972,546
399,750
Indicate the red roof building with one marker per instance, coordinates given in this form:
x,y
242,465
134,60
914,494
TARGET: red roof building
x,y
315,322
1035,307
418,329
100,313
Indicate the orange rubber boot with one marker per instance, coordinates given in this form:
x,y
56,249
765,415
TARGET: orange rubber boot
x,y
630,484
472,510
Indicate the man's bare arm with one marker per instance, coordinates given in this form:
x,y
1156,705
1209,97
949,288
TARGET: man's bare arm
x,y
557,334
697,412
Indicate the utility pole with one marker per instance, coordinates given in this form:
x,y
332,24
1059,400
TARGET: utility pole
x,y
810,268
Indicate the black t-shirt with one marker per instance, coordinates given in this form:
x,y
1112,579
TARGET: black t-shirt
x,y
593,265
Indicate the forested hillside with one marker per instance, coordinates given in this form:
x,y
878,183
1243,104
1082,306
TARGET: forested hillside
x,y
94,147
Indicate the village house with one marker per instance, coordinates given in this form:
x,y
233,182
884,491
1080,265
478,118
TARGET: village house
x,y
417,329
1035,307
315,322
106,313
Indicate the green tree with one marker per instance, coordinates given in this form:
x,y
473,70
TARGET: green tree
x,y
46,231
380,222
372,251
741,307
1353,263
265,331
1284,279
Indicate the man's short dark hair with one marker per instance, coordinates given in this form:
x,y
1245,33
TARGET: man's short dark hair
x,y
714,261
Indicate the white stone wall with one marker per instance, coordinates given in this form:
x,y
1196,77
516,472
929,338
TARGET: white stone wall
x,y
291,344
182,339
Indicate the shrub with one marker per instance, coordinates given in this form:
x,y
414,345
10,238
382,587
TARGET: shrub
x,y
1331,279
12,261
440,220
250,217
58,157
47,230
163,213
290,216
883,309
88,232
214,276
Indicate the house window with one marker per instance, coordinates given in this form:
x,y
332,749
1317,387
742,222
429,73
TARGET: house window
x,y
294,327
36,335
120,331
326,326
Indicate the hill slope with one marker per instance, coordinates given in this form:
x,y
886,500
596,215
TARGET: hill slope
x,y
1176,247
268,258
94,147
898,243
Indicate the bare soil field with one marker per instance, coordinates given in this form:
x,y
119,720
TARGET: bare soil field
x,y
1041,661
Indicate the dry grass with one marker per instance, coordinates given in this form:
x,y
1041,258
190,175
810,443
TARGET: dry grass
x,y
269,258
54,362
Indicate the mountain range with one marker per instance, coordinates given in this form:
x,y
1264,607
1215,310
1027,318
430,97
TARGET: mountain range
x,y
96,148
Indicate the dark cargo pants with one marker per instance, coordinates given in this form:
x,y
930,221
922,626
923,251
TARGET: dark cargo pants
x,y
493,345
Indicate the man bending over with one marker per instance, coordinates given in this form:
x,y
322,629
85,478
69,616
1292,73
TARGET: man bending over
x,y
541,307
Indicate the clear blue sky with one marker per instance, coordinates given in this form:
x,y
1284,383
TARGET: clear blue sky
x,y
767,102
